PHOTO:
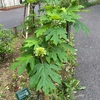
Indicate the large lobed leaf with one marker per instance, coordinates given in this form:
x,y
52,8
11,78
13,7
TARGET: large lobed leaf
x,y
55,34
59,53
30,42
78,25
44,77
40,30
22,63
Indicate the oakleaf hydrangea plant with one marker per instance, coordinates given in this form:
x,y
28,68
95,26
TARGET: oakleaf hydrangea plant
x,y
45,52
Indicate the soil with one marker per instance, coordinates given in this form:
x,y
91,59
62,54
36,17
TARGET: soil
x,y
10,82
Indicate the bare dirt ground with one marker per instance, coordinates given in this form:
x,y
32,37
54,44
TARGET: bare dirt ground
x,y
10,82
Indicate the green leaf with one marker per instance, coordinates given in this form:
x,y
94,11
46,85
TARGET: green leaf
x,y
26,59
75,8
78,25
53,55
56,68
48,59
82,88
23,58
35,75
22,68
44,77
30,42
40,31
75,83
61,54
32,62
55,34
52,1
58,54
45,82
68,47
22,63
15,65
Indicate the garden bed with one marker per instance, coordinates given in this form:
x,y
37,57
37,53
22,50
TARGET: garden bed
x,y
8,78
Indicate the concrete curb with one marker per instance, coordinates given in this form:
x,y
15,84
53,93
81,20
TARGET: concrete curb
x,y
10,8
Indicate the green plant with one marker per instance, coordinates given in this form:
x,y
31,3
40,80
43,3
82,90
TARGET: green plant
x,y
6,37
83,2
66,90
69,84
44,54
93,3
86,3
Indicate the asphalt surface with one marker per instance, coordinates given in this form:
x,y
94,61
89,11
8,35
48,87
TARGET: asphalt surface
x,y
11,18
88,71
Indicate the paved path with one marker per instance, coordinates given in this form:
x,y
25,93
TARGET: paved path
x,y
88,71
11,18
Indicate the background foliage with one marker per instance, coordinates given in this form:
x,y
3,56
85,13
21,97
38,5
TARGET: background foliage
x,y
6,45
87,4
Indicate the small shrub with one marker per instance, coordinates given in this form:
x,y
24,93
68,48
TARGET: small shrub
x,y
86,3
6,37
83,2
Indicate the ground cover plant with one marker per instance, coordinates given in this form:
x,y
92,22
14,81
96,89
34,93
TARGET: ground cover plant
x,y
48,56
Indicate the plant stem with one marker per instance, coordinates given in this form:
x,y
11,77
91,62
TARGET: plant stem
x,y
44,97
